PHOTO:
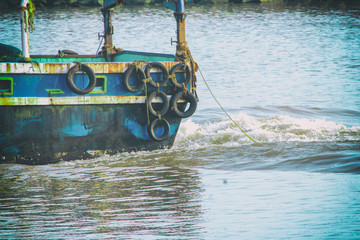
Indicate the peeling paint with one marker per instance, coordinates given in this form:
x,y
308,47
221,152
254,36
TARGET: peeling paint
x,y
63,68
86,100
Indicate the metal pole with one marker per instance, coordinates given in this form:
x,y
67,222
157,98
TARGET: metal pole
x,y
24,20
108,31
180,15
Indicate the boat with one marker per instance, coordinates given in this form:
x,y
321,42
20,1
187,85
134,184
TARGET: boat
x,y
69,106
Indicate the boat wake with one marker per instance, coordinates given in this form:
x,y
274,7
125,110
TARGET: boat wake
x,y
278,129
285,143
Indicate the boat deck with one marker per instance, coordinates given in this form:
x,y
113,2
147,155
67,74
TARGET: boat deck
x,y
123,56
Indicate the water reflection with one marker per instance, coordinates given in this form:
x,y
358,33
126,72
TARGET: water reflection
x,y
119,199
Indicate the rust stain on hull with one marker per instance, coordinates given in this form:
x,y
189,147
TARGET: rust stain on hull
x,y
63,68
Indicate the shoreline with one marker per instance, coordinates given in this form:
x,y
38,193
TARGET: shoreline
x,y
343,4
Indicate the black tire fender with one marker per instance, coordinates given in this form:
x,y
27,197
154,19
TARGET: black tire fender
x,y
164,71
165,103
139,73
173,71
188,97
67,52
162,123
70,79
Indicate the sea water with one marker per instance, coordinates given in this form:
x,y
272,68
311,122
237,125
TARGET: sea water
x,y
288,76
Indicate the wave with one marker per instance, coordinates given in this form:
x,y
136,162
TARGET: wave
x,y
285,143
281,128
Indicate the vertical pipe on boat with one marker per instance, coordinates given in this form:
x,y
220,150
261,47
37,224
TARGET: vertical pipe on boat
x,y
25,44
180,15
180,19
107,11
108,31
180,6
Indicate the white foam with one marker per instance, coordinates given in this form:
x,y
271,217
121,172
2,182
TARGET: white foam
x,y
265,130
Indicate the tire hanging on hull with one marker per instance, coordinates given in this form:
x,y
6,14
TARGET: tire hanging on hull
x,y
172,75
139,75
165,103
189,98
159,123
164,71
70,79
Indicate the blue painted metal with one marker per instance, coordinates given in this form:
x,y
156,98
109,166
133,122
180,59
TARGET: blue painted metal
x,y
110,3
170,5
177,6
45,134
180,6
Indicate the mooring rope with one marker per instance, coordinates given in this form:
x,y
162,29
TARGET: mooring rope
x,y
183,54
222,108
147,101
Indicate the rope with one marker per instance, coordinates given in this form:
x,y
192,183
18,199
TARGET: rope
x,y
185,90
29,10
97,51
147,101
183,54
222,108
139,64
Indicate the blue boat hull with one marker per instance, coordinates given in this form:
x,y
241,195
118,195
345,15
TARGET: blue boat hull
x,y
48,134
43,120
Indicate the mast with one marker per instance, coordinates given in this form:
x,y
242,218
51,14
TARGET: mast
x,y
178,7
107,11
182,49
180,15
24,21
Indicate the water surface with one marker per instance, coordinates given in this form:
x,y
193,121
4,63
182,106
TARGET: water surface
x,y
290,77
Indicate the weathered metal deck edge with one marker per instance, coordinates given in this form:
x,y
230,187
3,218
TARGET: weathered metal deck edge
x,y
80,100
